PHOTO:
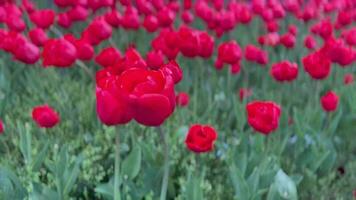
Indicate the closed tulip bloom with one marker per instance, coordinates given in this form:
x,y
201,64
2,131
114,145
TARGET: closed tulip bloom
x,y
45,116
2,129
38,36
59,53
108,56
150,23
288,40
329,101
348,79
15,23
78,13
255,54
165,17
201,138
154,59
263,116
317,65
206,45
97,31
27,53
310,42
187,17
113,18
188,42
85,50
284,71
130,19
43,18
182,99
229,52
244,93
63,20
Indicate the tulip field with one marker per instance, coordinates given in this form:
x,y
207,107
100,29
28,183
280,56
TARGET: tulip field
x,y
177,99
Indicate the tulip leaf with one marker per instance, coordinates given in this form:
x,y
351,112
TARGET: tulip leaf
x,y
193,188
283,187
36,164
132,164
239,183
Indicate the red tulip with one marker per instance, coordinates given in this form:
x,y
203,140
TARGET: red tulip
x,y
15,23
344,18
244,93
59,53
272,26
187,17
172,69
108,56
113,18
293,29
329,101
348,79
85,50
97,31
165,17
144,7
243,14
201,138
263,116
45,116
150,23
350,36
63,20
206,45
27,53
130,19
324,29
2,129
338,52
255,54
235,68
188,41
229,52
38,36
154,59
182,99
43,18
65,3
317,64
78,13
284,71
309,42
288,40
144,95
97,4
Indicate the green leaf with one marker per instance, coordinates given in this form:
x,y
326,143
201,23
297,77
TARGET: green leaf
x,y
193,189
106,190
73,175
285,186
132,164
19,190
239,183
253,180
25,142
36,164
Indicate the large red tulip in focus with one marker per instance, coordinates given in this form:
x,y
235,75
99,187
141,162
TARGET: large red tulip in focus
x,y
129,90
201,138
263,116
329,101
45,116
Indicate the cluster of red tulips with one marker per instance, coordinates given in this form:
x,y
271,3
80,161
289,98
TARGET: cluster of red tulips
x,y
132,87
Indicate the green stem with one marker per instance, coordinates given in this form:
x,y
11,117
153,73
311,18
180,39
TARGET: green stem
x,y
117,166
166,164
